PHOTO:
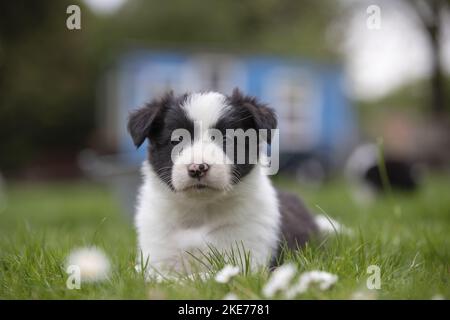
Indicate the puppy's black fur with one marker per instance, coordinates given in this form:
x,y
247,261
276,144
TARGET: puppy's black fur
x,y
158,119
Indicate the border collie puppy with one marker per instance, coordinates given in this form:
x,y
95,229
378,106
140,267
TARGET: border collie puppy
x,y
195,200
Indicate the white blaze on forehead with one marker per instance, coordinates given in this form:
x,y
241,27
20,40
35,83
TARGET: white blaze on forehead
x,y
205,107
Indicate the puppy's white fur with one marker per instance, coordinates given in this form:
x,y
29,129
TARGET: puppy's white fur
x,y
226,213
203,150
205,107
171,224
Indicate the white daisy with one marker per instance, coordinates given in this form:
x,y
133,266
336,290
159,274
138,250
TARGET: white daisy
x,y
93,264
228,272
231,296
364,294
322,279
279,279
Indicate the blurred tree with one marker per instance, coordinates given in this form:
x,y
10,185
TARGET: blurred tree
x,y
431,14
46,81
292,27
48,74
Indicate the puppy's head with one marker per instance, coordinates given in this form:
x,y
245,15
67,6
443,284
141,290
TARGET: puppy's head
x,y
202,142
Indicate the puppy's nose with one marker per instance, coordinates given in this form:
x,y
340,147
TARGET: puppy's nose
x,y
197,170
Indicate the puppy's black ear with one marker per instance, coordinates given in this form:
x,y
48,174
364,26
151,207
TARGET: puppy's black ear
x,y
263,116
145,121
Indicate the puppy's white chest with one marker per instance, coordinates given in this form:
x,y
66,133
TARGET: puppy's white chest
x,y
183,245
187,239
171,230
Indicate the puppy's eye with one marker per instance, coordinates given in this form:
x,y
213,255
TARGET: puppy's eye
x,y
176,141
213,138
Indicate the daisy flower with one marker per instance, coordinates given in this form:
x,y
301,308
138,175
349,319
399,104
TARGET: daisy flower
x,y
228,272
93,264
279,279
323,280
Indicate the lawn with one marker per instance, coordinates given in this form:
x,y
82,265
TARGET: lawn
x,y
408,237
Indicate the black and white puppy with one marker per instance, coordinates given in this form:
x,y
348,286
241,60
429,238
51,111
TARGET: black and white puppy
x,y
186,205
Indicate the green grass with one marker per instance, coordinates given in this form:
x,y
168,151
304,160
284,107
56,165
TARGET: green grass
x,y
408,237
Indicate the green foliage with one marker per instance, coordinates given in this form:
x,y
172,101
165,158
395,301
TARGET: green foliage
x,y
286,27
49,75
413,98
46,82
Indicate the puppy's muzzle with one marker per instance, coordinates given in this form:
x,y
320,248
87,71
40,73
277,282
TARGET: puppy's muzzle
x,y
197,170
